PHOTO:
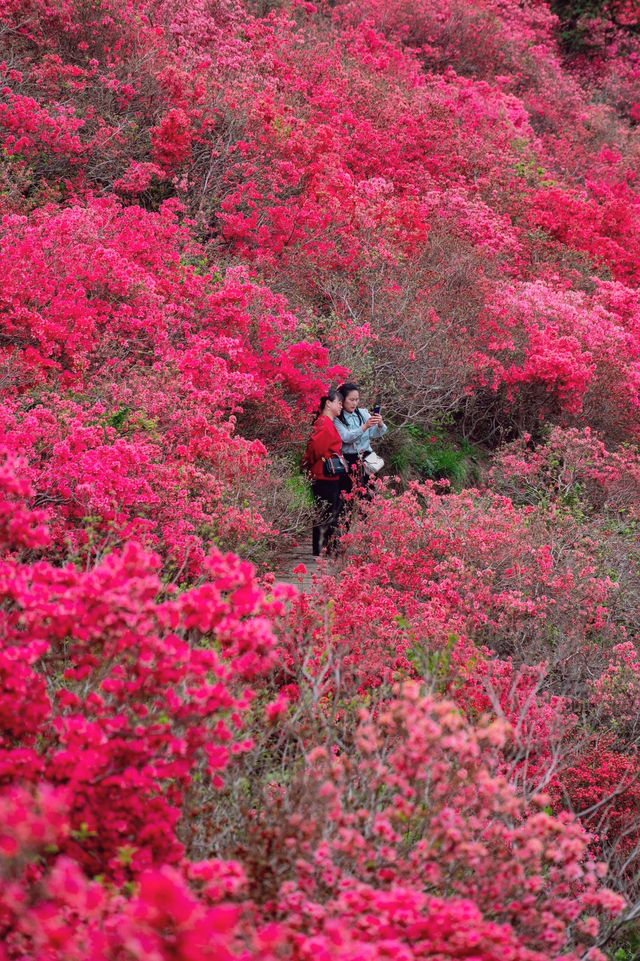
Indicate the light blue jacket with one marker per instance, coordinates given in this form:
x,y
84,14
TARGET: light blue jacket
x,y
354,438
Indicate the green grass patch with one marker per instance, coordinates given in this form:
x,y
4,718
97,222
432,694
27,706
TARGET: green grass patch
x,y
435,455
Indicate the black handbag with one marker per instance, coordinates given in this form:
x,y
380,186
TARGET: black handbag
x,y
334,466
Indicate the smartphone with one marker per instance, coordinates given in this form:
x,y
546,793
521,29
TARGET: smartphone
x,y
376,409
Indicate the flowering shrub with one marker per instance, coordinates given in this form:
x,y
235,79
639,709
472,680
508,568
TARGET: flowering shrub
x,y
128,714
209,213
415,808
58,913
602,787
143,442
572,463
137,696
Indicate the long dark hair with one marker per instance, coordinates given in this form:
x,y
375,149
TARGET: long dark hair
x,y
345,390
331,394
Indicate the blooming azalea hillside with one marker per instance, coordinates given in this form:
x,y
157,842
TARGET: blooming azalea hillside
x,y
210,212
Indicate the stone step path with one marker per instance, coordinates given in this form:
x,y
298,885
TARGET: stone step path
x,y
292,557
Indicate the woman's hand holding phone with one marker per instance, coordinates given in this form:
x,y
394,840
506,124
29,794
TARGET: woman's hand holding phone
x,y
375,419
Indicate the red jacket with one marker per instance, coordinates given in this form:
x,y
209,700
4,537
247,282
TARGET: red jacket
x,y
324,441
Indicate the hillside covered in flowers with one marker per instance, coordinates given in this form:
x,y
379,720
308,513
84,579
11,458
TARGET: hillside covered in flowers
x,y
210,212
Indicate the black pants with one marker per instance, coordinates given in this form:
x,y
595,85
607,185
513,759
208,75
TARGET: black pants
x,y
329,506
356,473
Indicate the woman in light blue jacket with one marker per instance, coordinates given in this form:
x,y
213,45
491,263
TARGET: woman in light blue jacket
x,y
357,427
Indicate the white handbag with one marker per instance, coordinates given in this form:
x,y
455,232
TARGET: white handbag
x,y
372,463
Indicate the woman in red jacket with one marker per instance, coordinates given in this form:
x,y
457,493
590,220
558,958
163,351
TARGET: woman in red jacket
x,y
325,443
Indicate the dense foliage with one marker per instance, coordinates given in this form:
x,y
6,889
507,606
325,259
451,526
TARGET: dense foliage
x,y
209,212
